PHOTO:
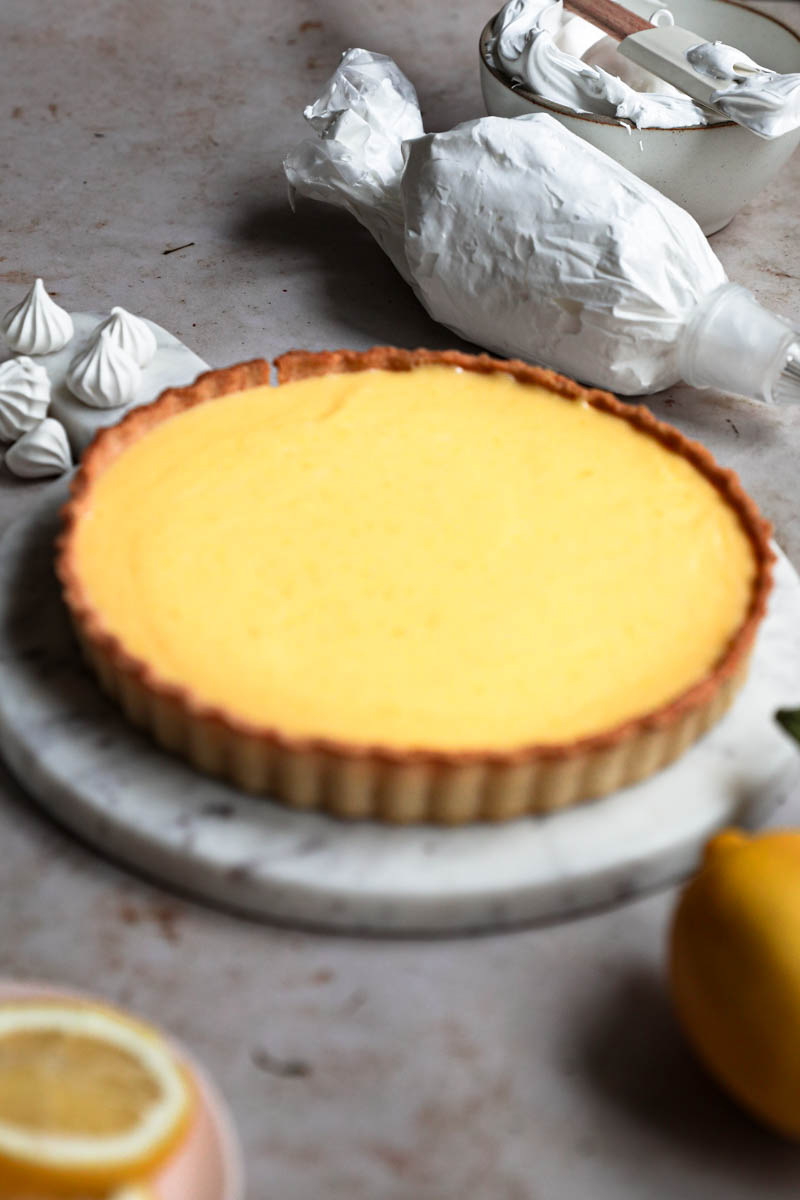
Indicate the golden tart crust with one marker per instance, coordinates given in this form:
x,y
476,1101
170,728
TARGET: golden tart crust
x,y
352,780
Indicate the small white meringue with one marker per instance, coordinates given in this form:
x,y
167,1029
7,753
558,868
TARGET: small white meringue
x,y
24,396
41,452
131,334
103,375
37,325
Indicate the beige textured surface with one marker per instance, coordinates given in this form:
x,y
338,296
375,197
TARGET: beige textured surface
x,y
537,1066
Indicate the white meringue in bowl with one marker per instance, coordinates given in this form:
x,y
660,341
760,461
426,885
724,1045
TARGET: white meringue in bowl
x,y
605,54
104,375
710,170
40,453
24,396
131,334
37,325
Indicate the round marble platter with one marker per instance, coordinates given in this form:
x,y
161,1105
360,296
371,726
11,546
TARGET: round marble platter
x,y
71,749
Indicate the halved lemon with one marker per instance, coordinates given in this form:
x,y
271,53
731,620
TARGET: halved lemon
x,y
90,1099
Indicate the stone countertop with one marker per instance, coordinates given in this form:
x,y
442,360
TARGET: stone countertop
x,y
540,1065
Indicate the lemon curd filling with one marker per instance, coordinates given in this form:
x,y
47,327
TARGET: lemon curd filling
x,y
429,558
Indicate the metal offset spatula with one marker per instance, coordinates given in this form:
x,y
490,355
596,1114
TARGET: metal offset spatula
x,y
721,78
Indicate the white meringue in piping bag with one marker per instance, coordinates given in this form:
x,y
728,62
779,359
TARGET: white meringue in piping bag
x,y
365,113
40,453
524,238
131,334
37,325
24,396
103,375
517,242
516,234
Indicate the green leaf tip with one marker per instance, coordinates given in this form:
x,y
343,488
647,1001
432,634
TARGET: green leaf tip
x,y
789,719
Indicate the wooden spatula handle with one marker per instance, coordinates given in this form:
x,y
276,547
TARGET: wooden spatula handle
x,y
612,18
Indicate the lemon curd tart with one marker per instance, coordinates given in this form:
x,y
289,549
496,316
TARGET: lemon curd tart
x,y
413,585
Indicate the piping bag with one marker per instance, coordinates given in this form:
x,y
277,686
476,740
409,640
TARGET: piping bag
x,y
521,237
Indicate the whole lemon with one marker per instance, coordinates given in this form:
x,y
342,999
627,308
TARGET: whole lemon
x,y
735,970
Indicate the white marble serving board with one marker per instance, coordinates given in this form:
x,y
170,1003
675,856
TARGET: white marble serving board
x,y
173,365
71,749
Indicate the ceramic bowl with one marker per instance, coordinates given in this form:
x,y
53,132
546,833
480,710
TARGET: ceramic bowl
x,y
710,170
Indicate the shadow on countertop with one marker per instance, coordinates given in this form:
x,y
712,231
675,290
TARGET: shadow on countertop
x,y
357,283
631,1052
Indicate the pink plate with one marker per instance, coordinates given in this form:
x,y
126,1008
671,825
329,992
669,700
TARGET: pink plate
x,y
208,1165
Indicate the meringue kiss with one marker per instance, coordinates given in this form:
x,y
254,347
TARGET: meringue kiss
x,y
131,334
37,325
103,375
24,397
41,452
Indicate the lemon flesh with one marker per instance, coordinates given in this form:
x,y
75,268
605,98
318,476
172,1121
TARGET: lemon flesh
x,y
67,1084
